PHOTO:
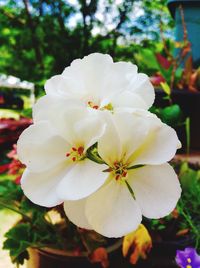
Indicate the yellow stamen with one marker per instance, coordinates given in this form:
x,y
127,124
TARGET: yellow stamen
x,y
97,107
188,266
108,107
189,260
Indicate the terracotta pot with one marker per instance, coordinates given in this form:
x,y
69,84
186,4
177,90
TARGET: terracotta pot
x,y
162,255
52,258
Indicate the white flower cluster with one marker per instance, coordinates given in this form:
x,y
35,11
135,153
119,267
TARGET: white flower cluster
x,y
94,146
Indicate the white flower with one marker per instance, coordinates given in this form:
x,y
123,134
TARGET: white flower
x,y
109,168
135,147
101,84
55,156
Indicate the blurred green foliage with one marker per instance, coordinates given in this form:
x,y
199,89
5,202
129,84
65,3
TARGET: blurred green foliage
x,y
170,115
37,230
38,40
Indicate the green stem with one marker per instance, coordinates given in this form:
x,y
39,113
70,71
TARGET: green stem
x,y
15,210
84,242
187,130
189,221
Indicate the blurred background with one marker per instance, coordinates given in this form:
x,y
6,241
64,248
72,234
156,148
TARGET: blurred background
x,y
39,38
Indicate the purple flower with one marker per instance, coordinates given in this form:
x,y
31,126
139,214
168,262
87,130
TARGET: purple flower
x,y
188,258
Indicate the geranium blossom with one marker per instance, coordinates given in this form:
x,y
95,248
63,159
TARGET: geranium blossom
x,y
101,84
57,155
110,168
135,147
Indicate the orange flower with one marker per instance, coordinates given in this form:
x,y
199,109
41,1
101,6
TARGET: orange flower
x,y
100,255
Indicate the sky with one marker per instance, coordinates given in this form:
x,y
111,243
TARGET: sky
x,y
107,20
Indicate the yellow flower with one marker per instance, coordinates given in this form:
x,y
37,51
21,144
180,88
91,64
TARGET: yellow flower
x,y
138,242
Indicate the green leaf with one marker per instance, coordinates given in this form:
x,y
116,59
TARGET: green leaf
x,y
11,244
27,113
161,227
18,241
165,88
166,73
19,232
171,115
178,74
188,178
3,189
148,58
21,257
10,192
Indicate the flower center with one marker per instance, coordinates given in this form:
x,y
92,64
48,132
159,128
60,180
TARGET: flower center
x,y
120,170
76,154
189,261
93,105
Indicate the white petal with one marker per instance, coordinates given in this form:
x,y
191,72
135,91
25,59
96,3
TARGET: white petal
x,y
109,145
90,72
67,87
112,211
96,78
128,99
132,129
160,145
39,147
75,211
52,84
80,126
124,133
84,178
117,79
40,187
63,118
142,86
156,189
74,122
127,69
51,108
89,129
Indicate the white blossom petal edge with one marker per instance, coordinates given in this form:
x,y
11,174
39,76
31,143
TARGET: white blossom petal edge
x,y
56,157
98,82
139,182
